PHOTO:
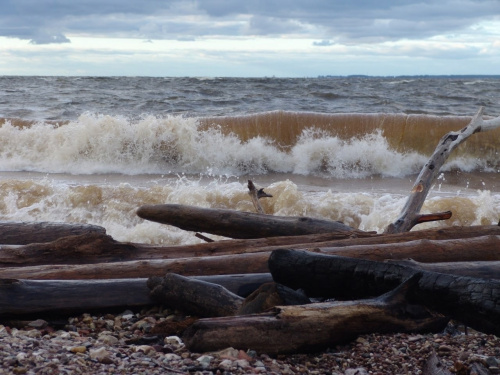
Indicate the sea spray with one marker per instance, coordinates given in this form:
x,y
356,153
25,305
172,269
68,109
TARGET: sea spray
x,y
113,206
95,144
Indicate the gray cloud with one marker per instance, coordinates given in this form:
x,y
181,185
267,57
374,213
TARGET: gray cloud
x,y
339,21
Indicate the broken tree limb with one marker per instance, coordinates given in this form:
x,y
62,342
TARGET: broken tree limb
x,y
255,195
472,249
472,301
308,328
410,214
28,297
237,224
23,233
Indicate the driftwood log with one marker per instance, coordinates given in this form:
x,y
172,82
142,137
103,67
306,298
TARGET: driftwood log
x,y
463,250
29,297
312,327
23,233
237,224
100,248
472,301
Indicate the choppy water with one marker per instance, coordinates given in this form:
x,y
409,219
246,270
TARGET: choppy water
x,y
94,149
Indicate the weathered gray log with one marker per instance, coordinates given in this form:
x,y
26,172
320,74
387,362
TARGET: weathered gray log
x,y
237,224
473,301
410,214
23,233
28,297
307,328
473,249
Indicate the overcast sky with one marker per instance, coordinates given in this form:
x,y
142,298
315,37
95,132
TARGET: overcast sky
x,y
283,38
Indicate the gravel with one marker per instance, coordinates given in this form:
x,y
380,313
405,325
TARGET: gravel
x,y
139,343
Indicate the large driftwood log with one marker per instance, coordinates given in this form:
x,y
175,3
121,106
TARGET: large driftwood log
x,y
99,248
472,249
410,214
237,224
312,327
473,301
28,297
23,233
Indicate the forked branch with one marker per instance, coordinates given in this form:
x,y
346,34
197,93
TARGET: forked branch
x,y
410,215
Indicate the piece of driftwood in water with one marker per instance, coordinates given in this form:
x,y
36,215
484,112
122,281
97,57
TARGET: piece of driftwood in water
x,y
255,195
484,270
23,233
410,214
101,248
237,224
312,327
472,249
29,297
473,301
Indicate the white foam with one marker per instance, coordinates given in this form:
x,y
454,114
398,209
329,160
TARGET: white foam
x,y
174,144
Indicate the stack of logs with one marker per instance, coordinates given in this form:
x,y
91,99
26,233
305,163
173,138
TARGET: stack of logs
x,y
265,289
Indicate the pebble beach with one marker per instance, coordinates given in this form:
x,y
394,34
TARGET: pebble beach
x,y
148,342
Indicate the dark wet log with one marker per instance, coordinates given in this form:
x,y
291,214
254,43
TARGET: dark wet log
x,y
70,296
473,301
308,328
27,297
237,224
23,233
484,270
97,248
195,297
410,214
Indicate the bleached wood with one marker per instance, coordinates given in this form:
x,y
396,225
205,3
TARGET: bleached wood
x,y
410,215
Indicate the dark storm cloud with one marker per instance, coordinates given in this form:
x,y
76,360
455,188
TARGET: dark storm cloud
x,y
50,21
